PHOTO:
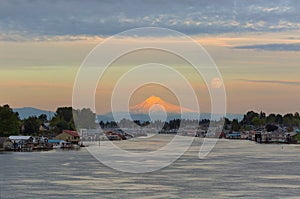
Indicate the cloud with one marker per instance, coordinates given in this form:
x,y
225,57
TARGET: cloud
x,y
36,19
272,47
295,83
270,9
12,36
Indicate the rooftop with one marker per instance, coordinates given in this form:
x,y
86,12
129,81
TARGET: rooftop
x,y
73,133
19,137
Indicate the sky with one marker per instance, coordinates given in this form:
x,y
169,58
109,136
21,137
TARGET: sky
x,y
255,44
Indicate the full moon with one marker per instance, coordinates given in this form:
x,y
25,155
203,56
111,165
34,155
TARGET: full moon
x,y
216,82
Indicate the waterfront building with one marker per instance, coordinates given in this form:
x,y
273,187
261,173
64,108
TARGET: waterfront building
x,y
69,136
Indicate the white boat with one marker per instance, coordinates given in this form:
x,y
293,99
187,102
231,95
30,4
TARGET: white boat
x,y
62,145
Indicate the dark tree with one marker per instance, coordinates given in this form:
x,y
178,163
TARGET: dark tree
x,y
174,124
63,119
256,121
31,126
271,119
297,116
235,126
43,118
227,123
65,113
62,125
271,127
279,119
137,122
101,123
84,118
9,121
247,120
262,115
112,124
288,120
146,123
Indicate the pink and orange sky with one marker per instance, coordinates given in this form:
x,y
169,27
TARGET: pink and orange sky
x,y
257,50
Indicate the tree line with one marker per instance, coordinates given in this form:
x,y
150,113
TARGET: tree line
x,y
251,120
65,118
271,122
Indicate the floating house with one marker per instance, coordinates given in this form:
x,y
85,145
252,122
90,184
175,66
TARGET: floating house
x,y
60,144
22,142
21,139
69,136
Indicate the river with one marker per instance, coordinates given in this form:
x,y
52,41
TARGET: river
x,y
234,168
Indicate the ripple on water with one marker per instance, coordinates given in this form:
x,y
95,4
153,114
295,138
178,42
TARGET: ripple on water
x,y
240,169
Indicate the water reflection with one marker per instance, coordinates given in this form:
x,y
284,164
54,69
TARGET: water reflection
x,y
233,169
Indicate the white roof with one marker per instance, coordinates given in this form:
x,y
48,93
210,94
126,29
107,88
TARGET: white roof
x,y
19,137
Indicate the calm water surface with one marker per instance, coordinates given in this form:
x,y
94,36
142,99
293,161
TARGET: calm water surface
x,y
240,169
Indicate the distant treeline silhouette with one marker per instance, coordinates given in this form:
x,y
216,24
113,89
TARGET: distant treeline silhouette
x,y
67,118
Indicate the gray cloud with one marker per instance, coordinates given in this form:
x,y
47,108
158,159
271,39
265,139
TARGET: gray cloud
x,y
271,82
272,47
35,18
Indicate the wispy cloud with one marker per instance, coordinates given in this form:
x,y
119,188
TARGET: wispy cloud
x,y
93,18
270,9
295,83
272,47
13,36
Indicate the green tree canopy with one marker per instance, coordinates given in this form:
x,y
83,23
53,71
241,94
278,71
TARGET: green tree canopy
x,y
66,118
271,119
256,121
43,118
248,118
9,121
235,126
63,119
84,118
31,126
279,119
65,113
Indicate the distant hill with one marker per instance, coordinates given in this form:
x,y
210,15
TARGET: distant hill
x,y
30,111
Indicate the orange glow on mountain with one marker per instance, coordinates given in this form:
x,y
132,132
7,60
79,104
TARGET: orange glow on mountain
x,y
155,103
